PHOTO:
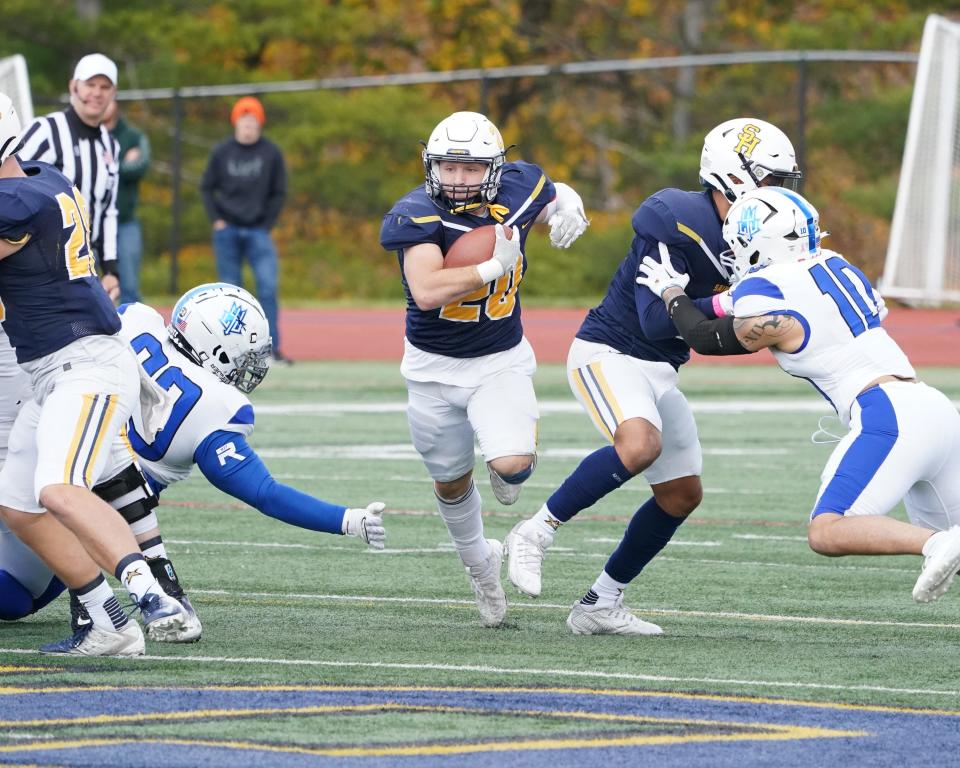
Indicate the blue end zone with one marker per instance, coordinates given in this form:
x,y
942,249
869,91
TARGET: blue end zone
x,y
651,728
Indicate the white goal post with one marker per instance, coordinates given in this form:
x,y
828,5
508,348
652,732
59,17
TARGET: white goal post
x,y
15,84
923,257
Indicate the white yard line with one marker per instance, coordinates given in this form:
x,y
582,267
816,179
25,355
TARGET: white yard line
x,y
510,672
523,604
731,405
406,452
554,551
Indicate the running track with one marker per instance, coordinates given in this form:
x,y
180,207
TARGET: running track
x,y
929,337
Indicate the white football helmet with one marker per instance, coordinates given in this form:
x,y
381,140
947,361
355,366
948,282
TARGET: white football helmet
x,y
10,127
465,137
222,328
740,154
769,226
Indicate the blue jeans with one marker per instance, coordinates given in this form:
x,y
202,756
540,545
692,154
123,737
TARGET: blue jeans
x,y
231,245
129,252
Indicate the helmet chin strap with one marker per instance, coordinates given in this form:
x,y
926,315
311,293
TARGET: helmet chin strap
x,y
748,167
498,212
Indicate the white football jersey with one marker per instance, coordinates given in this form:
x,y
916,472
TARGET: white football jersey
x,y
844,347
204,403
14,384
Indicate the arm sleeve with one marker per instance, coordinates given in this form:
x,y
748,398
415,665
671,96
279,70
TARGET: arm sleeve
x,y
705,336
231,465
209,184
278,191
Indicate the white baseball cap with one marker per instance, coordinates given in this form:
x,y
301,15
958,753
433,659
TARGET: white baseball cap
x,y
94,64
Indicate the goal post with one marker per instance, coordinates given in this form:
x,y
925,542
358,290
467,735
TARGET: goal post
x,y
923,256
15,84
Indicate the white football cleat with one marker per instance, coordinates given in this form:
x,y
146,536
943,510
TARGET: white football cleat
x,y
939,567
485,580
615,619
91,640
505,492
526,546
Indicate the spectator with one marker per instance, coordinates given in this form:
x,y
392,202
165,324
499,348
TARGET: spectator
x,y
76,142
134,162
243,190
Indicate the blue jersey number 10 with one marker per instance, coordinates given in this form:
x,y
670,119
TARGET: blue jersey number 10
x,y
835,277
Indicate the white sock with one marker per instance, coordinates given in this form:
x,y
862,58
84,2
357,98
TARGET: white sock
x,y
138,580
544,522
463,521
103,608
608,590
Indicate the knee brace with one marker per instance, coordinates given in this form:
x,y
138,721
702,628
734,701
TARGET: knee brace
x,y
518,477
129,494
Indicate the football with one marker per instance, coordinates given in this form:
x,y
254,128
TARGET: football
x,y
474,247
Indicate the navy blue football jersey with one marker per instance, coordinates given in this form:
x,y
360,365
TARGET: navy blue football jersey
x,y
49,288
631,318
487,320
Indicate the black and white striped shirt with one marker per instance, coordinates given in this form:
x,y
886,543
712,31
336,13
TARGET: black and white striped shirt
x,y
90,158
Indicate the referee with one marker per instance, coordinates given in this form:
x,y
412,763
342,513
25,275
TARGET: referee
x,y
76,142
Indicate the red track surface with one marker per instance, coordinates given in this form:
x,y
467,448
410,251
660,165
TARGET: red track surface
x,y
929,337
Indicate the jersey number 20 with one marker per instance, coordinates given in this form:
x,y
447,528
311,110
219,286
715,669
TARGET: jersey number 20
x,y
78,255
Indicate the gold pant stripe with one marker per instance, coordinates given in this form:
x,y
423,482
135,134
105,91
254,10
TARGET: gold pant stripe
x,y
79,433
588,400
606,393
98,439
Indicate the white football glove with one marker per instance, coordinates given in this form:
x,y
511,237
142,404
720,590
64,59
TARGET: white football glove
x,y
881,306
505,255
367,524
567,226
658,276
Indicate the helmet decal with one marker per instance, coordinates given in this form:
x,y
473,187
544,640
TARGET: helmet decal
x,y
749,223
232,320
747,139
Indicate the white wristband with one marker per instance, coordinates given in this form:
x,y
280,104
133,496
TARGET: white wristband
x,y
490,270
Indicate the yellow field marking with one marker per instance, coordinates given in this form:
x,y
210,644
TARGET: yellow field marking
x,y
325,709
12,670
619,693
751,732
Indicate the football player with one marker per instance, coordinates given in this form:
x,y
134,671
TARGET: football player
x,y
26,584
85,384
215,351
467,365
622,368
820,317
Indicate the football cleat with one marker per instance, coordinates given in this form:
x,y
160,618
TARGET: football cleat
x,y
485,580
614,619
166,576
939,567
164,618
91,640
526,546
79,618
